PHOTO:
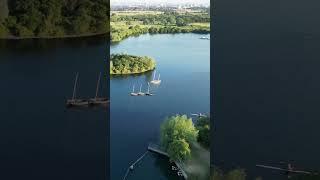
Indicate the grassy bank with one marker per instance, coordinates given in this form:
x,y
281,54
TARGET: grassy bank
x,y
197,166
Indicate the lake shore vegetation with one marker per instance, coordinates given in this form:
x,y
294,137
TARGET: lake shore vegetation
x,y
130,64
126,24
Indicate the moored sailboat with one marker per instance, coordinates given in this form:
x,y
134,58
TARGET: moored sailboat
x,y
148,93
74,101
155,81
133,93
140,93
98,100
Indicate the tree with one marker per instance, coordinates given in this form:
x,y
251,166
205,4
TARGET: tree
x,y
203,125
176,132
179,149
180,22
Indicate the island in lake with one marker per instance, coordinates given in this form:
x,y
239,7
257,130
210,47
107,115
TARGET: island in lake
x,y
130,64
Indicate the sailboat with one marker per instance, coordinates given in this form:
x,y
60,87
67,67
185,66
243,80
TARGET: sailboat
x,y
74,101
98,100
154,80
133,93
198,115
140,93
148,93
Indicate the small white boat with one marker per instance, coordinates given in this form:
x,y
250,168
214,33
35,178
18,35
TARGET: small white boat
x,y
140,93
154,80
205,38
198,115
148,93
133,93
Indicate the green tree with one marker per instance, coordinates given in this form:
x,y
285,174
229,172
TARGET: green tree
x,y
180,22
179,149
175,132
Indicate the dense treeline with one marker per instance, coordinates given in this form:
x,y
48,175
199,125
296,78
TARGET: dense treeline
x,y
166,18
129,64
123,26
54,18
120,34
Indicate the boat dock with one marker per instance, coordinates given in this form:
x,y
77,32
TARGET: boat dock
x,y
157,149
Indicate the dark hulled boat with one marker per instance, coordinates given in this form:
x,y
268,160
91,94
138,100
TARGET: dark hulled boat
x,y
98,100
76,102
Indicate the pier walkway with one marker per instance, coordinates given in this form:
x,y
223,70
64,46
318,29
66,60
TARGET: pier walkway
x,y
157,149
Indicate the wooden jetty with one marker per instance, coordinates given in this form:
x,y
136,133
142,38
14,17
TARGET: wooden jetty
x,y
76,102
98,100
157,149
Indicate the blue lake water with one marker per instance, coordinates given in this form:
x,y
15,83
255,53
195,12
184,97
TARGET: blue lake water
x,y
40,138
183,60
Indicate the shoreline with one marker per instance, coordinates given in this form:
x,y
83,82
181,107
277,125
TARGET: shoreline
x,y
54,37
137,35
134,73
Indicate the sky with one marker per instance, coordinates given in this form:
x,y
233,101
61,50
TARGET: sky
x,y
130,2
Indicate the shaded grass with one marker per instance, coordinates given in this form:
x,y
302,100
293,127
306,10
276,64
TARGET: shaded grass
x,y
198,166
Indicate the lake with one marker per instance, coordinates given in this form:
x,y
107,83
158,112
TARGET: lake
x,y
40,138
183,60
266,85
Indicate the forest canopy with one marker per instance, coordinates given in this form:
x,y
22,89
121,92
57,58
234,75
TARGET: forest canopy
x,y
53,18
130,64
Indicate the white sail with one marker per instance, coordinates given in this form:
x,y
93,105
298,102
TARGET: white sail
x,y
154,75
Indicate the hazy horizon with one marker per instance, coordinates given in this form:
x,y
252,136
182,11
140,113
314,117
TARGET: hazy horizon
x,y
153,2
